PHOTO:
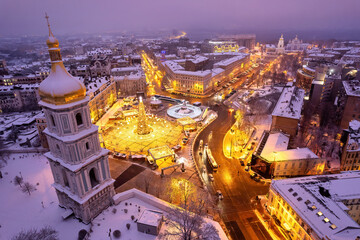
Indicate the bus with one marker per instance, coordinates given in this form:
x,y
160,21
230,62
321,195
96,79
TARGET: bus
x,y
211,159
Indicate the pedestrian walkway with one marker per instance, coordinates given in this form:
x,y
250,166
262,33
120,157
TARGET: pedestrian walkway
x,y
128,174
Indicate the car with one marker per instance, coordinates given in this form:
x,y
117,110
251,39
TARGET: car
x,y
253,175
242,163
219,194
185,140
247,168
211,177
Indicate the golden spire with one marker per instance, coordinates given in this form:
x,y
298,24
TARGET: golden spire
x,y
59,87
48,23
52,42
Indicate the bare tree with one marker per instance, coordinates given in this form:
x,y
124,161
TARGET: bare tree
x,y
187,222
28,187
18,181
147,182
45,233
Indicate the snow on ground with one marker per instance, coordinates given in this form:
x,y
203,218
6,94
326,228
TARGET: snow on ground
x,y
127,204
117,221
20,211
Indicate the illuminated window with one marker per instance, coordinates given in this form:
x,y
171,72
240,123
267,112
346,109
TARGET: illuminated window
x,y
326,220
333,226
319,213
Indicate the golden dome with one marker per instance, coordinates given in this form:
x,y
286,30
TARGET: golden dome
x,y
52,42
59,87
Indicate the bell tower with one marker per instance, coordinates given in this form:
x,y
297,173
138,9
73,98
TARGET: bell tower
x,y
79,165
280,47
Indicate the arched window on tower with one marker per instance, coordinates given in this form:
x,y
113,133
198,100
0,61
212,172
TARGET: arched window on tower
x,y
87,146
66,181
79,120
93,179
52,120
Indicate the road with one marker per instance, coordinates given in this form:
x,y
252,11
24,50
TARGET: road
x,y
238,189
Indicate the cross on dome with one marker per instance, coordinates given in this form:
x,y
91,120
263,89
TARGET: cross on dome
x,y
48,23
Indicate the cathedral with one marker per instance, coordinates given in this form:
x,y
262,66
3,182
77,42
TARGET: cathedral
x,y
79,165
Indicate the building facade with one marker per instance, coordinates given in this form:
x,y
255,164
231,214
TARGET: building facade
x,y
317,207
350,103
350,157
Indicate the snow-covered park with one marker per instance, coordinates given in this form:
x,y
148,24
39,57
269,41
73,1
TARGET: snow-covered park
x,y
21,211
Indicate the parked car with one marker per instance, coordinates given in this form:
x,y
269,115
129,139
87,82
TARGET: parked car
x,y
185,140
211,177
253,175
219,194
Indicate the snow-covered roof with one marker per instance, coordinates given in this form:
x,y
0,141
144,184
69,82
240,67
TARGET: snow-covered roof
x,y
178,69
198,59
325,215
290,103
275,149
352,88
125,69
227,62
150,217
353,144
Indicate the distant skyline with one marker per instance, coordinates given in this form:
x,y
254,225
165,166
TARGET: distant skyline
x,y
330,17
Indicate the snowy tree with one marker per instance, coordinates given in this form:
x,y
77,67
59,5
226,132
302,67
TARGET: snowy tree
x,y
18,181
186,221
45,233
28,188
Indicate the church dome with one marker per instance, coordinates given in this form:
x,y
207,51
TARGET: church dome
x,y
59,87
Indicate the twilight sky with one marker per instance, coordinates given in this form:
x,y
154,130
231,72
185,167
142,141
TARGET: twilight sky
x,y
96,16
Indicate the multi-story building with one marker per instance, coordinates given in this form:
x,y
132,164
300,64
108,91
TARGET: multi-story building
x,y
130,85
196,64
245,40
19,98
273,159
305,77
102,95
317,207
349,103
223,46
100,65
287,112
203,81
182,81
8,80
350,157
3,67
125,71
